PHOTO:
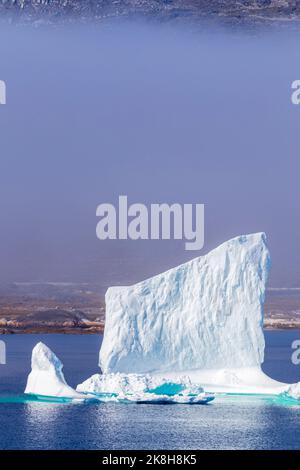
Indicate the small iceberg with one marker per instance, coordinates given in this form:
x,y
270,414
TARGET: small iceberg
x,y
140,388
46,377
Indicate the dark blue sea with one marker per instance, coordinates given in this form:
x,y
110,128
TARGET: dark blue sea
x,y
226,423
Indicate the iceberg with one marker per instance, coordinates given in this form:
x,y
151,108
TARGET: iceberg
x,y
204,314
203,319
180,336
46,377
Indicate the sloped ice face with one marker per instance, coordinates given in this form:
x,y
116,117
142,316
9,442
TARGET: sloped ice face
x,y
204,314
46,376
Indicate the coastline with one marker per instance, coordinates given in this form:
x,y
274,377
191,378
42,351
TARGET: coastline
x,y
79,309
98,328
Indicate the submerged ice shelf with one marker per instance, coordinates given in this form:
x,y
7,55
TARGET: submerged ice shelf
x,y
145,388
196,327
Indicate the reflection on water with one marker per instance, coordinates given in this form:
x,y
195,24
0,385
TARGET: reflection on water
x,y
42,417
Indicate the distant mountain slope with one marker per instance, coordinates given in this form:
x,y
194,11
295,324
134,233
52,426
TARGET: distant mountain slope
x,y
65,10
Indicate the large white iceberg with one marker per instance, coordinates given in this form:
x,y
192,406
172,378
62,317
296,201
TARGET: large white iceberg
x,y
197,326
204,314
203,318
46,377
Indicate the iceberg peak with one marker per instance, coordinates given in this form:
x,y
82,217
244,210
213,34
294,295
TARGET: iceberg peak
x,y
46,376
43,359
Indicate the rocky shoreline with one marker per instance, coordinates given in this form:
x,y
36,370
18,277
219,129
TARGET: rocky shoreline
x,y
70,308
89,328
57,329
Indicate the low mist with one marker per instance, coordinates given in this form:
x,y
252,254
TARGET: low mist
x,y
155,113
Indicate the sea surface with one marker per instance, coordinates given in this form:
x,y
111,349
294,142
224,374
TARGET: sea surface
x,y
227,423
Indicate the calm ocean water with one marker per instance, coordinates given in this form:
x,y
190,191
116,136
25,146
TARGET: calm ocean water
x,y
227,423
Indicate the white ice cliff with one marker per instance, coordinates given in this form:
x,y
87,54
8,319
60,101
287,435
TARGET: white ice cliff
x,y
203,318
197,326
204,314
46,376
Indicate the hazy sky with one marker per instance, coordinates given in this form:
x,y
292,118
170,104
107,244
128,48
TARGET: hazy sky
x,y
159,115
